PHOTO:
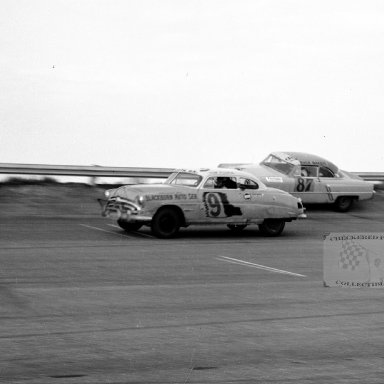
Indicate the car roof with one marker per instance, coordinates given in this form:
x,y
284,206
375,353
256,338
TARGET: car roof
x,y
307,159
214,172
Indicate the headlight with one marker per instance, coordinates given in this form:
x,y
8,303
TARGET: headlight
x,y
140,200
109,192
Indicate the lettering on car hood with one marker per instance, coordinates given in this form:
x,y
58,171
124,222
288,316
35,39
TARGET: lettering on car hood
x,y
157,192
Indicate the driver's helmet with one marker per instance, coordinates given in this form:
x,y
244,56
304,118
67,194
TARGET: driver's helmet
x,y
220,182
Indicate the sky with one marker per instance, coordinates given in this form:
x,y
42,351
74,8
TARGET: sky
x,y
188,84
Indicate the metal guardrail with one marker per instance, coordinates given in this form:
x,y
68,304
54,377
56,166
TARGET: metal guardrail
x,y
99,171
78,170
370,176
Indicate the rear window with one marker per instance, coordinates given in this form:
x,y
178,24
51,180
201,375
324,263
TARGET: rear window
x,y
248,183
325,172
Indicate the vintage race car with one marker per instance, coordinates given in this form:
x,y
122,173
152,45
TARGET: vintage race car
x,y
219,196
310,177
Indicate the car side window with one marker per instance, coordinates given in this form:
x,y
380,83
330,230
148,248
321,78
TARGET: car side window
x,y
221,182
309,171
210,183
226,182
247,183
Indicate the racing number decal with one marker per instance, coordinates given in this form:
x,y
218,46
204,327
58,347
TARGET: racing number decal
x,y
217,205
304,185
213,205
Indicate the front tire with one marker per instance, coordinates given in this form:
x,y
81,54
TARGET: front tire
x,y
272,227
344,203
166,223
128,227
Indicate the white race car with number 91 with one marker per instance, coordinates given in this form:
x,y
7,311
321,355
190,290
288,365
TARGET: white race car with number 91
x,y
218,196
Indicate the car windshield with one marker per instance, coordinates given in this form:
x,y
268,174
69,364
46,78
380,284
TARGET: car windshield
x,y
184,178
278,164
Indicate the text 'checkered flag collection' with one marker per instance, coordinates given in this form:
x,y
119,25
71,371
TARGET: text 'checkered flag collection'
x,y
351,255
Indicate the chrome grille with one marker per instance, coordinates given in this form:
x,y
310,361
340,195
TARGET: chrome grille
x,y
118,204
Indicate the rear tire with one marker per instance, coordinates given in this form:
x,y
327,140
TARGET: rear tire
x,y
344,203
129,227
166,223
236,227
272,227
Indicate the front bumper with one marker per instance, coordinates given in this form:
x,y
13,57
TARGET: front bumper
x,y
300,206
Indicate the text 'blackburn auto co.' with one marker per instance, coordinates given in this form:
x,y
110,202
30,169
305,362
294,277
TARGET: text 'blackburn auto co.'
x,y
176,196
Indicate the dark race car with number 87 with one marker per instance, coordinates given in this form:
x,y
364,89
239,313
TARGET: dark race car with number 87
x,y
220,196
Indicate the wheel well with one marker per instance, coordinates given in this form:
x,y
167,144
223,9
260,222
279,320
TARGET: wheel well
x,y
356,198
285,219
344,205
177,209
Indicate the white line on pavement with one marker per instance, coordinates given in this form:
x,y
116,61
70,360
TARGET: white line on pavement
x,y
259,266
103,230
134,232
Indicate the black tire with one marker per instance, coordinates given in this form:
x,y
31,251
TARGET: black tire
x,y
166,223
236,227
344,203
272,227
129,227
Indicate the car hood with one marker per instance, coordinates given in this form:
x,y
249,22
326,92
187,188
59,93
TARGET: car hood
x,y
129,191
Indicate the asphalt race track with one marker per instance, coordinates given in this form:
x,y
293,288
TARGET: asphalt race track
x,y
83,302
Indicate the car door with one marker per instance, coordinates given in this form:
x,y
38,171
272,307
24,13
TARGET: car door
x,y
252,200
219,204
333,184
309,187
